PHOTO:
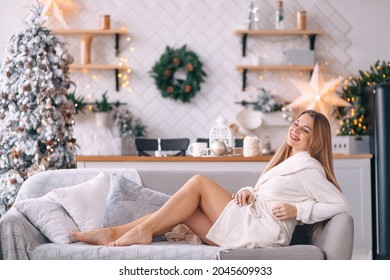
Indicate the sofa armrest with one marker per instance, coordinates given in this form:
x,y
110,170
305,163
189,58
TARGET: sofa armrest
x,y
336,238
18,236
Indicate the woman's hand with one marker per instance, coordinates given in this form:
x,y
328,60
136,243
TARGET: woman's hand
x,y
243,197
284,211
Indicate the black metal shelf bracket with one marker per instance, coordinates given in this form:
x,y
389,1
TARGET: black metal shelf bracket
x,y
244,39
117,79
312,39
244,73
117,36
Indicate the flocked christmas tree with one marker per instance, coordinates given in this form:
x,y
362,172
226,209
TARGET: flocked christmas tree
x,y
36,121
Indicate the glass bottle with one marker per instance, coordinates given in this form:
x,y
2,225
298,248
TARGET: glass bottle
x,y
279,16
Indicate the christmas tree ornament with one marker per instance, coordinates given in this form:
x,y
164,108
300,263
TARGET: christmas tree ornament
x,y
318,95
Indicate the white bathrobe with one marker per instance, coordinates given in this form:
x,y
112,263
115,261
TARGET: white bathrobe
x,y
299,180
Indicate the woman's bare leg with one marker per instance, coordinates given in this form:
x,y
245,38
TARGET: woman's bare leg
x,y
103,236
199,192
200,224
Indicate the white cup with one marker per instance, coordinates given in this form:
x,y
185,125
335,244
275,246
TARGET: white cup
x,y
197,149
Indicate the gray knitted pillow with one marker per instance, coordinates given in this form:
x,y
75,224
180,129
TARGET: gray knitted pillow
x,y
128,201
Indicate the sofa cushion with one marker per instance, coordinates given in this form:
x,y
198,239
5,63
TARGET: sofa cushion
x,y
128,201
49,217
85,202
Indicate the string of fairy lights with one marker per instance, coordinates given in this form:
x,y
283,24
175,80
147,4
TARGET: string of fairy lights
x,y
124,76
354,120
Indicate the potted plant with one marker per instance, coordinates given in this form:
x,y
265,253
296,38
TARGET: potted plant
x,y
129,127
103,108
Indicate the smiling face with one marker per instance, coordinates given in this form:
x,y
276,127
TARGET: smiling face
x,y
299,133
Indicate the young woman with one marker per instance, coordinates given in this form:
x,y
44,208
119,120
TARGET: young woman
x,y
298,185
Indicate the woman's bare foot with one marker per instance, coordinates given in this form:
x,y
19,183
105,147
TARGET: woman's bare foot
x,y
101,236
133,236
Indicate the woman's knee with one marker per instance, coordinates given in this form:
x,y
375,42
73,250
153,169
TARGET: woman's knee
x,y
198,181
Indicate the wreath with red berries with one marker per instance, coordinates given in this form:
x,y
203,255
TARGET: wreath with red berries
x,y
178,74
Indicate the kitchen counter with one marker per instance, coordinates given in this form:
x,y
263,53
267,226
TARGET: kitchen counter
x,y
187,162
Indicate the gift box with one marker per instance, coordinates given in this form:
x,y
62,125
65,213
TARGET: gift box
x,y
300,57
351,145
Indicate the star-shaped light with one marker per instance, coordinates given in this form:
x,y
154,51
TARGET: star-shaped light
x,y
318,95
58,9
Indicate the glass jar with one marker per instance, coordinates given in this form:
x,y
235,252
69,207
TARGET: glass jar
x,y
301,20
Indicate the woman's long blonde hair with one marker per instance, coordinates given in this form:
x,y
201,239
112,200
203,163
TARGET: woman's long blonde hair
x,y
320,148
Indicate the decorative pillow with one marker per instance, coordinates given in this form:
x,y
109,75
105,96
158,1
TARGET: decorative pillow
x,y
49,217
128,201
86,201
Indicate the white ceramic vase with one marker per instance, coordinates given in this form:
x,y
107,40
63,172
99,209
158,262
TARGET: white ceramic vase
x,y
102,119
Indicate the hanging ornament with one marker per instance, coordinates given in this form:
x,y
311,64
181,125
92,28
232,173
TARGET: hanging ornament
x,y
318,95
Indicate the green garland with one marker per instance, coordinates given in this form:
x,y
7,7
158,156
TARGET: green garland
x,y
172,61
353,119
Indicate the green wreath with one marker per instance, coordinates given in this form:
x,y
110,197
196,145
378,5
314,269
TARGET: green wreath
x,y
178,61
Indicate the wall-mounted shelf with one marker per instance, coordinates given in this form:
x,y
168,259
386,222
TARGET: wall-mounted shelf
x,y
277,67
97,67
262,32
121,31
86,36
273,32
311,34
94,32
116,68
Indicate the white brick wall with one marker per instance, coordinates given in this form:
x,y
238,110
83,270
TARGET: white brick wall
x,y
207,27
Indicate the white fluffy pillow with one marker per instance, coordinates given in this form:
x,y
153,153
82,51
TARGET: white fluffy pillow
x,y
49,217
86,202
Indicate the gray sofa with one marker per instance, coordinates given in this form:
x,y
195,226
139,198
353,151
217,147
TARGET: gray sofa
x,y
21,240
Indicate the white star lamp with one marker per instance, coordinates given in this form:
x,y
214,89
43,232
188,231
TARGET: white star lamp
x,y
58,9
318,95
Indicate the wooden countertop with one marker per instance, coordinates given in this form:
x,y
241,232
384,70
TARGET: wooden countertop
x,y
196,159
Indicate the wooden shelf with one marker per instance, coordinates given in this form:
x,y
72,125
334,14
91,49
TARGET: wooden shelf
x,y
273,32
86,36
277,67
97,67
121,31
311,34
116,68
